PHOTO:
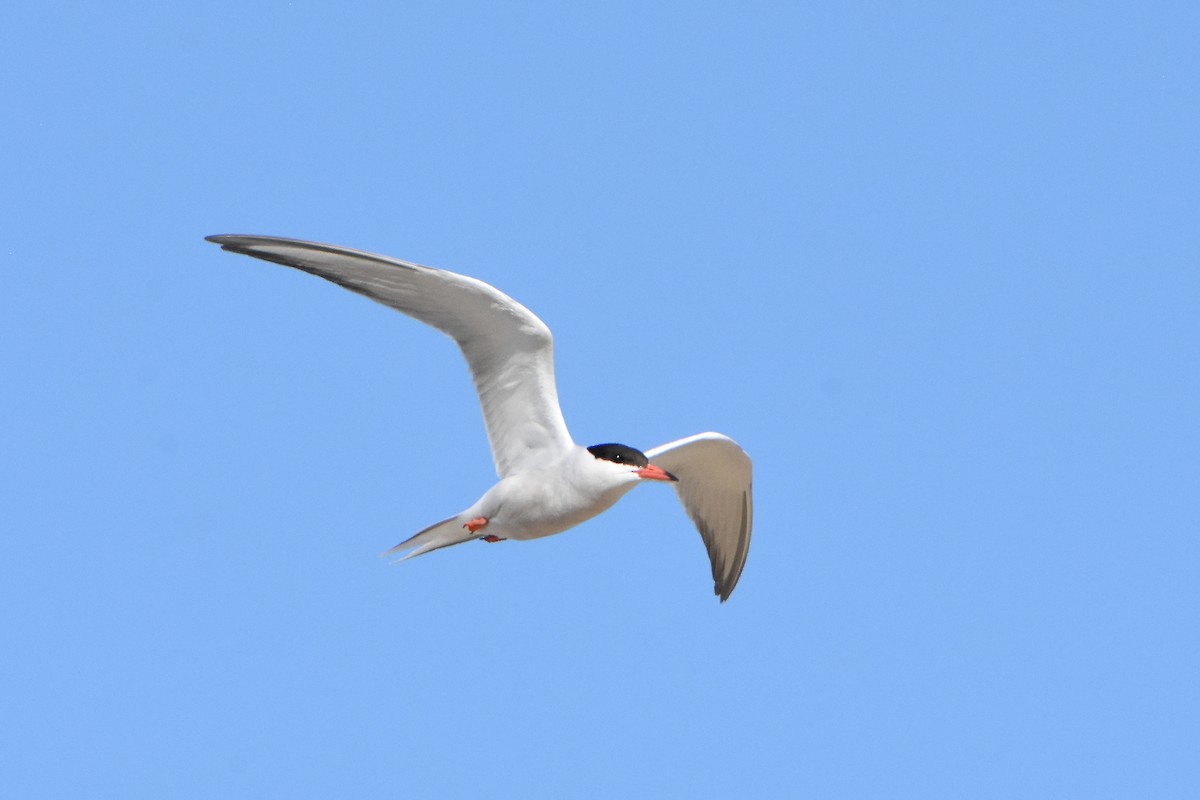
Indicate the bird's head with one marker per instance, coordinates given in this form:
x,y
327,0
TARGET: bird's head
x,y
630,461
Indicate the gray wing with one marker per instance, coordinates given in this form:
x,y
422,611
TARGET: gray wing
x,y
715,488
509,350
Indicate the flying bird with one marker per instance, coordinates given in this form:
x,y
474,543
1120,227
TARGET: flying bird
x,y
547,482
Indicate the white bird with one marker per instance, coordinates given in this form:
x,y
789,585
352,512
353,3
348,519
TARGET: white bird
x,y
547,482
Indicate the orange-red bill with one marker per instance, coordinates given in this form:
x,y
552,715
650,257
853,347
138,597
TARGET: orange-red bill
x,y
651,472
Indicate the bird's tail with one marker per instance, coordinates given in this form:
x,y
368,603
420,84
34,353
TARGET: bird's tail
x,y
442,534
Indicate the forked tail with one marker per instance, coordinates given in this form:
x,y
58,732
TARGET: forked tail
x,y
435,537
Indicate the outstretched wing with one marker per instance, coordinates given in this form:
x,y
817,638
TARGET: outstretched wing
x,y
714,486
509,350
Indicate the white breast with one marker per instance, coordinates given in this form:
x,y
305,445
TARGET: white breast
x,y
551,499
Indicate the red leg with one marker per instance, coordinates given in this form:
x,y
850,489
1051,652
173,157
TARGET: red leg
x,y
492,539
477,524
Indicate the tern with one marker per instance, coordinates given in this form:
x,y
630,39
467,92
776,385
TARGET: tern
x,y
547,482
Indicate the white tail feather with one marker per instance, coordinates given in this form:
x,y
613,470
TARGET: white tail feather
x,y
442,534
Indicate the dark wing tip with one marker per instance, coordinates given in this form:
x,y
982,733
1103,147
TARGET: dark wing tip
x,y
723,585
251,245
234,243
242,243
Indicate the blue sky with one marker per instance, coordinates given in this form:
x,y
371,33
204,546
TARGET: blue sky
x,y
933,264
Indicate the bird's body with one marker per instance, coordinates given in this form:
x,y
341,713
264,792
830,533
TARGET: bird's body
x,y
548,483
541,501
551,498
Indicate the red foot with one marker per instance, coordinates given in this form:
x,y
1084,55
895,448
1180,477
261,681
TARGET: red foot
x,y
477,524
492,539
